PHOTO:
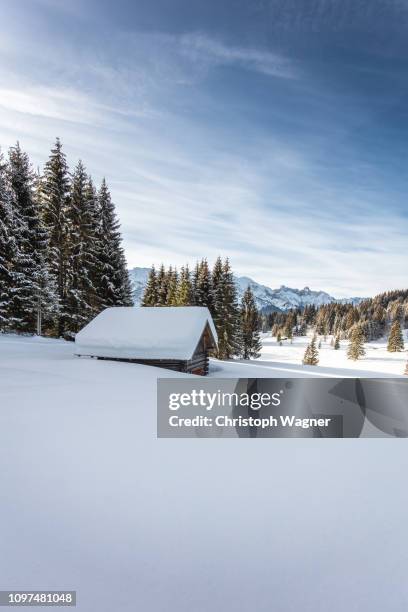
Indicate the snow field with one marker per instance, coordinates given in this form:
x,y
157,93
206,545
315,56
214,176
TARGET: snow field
x,y
91,500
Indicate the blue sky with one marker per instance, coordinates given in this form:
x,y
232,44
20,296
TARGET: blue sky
x,y
271,131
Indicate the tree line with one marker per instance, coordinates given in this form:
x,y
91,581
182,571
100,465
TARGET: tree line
x,y
61,257
371,319
237,325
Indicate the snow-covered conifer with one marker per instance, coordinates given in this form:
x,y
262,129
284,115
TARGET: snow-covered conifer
x,y
172,282
34,294
395,340
114,286
250,337
336,345
226,310
203,295
151,290
311,356
162,286
184,293
93,246
356,346
7,246
81,255
55,192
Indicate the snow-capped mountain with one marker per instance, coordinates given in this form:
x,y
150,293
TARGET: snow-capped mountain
x,y
266,298
286,298
138,278
283,298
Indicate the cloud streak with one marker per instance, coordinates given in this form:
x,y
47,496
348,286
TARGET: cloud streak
x,y
203,49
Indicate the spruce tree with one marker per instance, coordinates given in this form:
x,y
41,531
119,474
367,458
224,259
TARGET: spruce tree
x,y
22,304
290,324
217,280
162,286
172,282
311,356
81,255
336,345
395,340
194,283
356,346
93,247
114,285
250,336
34,293
306,356
226,311
125,287
55,204
203,294
151,290
7,246
184,293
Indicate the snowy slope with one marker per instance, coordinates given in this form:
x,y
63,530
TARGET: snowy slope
x,y
91,500
376,362
283,298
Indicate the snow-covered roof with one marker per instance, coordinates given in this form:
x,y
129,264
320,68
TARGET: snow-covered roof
x,y
145,333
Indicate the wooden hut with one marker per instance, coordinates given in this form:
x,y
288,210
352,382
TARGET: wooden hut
x,y
177,338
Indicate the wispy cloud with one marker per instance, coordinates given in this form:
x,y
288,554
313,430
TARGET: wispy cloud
x,y
203,49
63,104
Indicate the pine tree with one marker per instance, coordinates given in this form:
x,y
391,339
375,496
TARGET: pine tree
x,y
203,294
81,255
395,340
356,346
217,278
94,246
151,290
114,285
250,337
162,286
172,282
22,302
336,345
226,311
311,356
184,293
306,356
34,294
55,204
7,246
290,323
194,283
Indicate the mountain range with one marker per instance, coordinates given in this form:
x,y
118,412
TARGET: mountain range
x,y
267,299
